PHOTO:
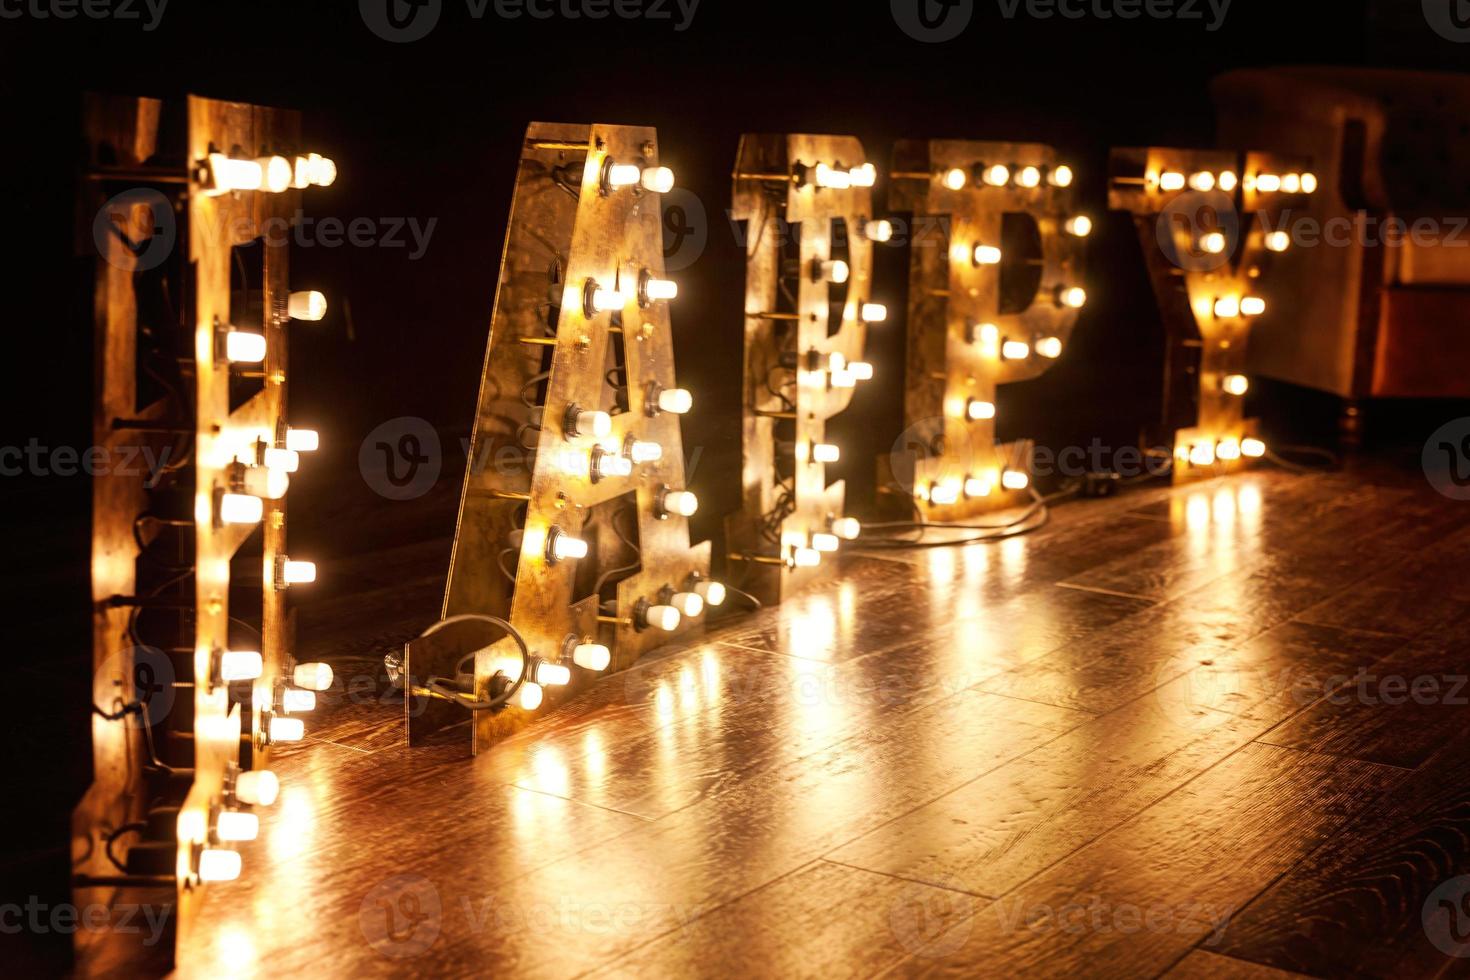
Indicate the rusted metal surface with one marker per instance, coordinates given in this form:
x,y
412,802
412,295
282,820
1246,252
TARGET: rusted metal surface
x,y
1206,343
545,355
792,224
958,323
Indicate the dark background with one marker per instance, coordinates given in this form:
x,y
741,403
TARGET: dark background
x,y
432,129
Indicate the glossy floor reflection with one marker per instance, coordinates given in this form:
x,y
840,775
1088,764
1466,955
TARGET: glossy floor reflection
x,y
1138,742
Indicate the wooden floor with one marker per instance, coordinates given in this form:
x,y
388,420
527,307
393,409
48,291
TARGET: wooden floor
x,y
1127,745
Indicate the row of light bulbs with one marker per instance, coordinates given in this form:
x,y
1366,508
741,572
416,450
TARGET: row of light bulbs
x,y
1227,180
251,483
946,492
1003,175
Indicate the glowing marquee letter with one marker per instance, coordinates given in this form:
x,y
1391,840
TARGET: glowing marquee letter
x,y
573,524
1212,226
809,227
995,284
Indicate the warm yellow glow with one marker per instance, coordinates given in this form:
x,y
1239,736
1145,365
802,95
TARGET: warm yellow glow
x,y
302,440
1049,347
314,169
1213,243
713,593
1015,350
234,175
240,508
257,787
240,665
1252,306
689,604
1278,241
306,305
660,180
997,175
1291,183
1079,225
553,675
313,676
624,174
1235,384
1202,454
656,289
861,370
944,494
530,695
1202,181
236,825
847,528
863,176
832,178
243,347
878,231
607,300
286,729
874,313
987,255
822,541
608,466
218,864
1268,183
1228,450
665,618
1309,183
955,179
675,401
1171,180
563,546
976,410
806,557
594,424
278,173
1014,480
681,502
285,460
1227,307
298,572
1061,176
294,700
825,452
1028,177
261,481
1254,448
591,656
645,452
978,486
1074,297
834,270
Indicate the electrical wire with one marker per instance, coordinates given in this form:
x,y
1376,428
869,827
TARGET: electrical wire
x,y
1333,461
114,835
439,685
1033,518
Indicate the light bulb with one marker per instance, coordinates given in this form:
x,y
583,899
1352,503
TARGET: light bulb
x,y
1278,241
689,604
530,695
218,864
611,465
822,541
236,825
286,729
1014,480
240,508
874,313
680,502
1227,181
240,665
295,700
660,180
1074,297
997,175
1079,225
847,528
805,557
861,370
988,336
262,481
987,255
1202,181
1235,384
561,546
1015,350
607,300
1061,176
623,174
594,424
665,618
825,452
314,169
645,452
834,270
842,378
863,176
1049,347
278,173
257,787
1028,177
1171,180
1227,307
656,289
675,401
314,676
1201,454
955,179
234,175
713,593
1254,448
1213,243
832,178
1292,183
1309,183
243,347
1252,306
944,494
1268,183
285,460
976,410
978,486
591,656
302,440
553,675
297,572
878,231
1228,450
307,305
